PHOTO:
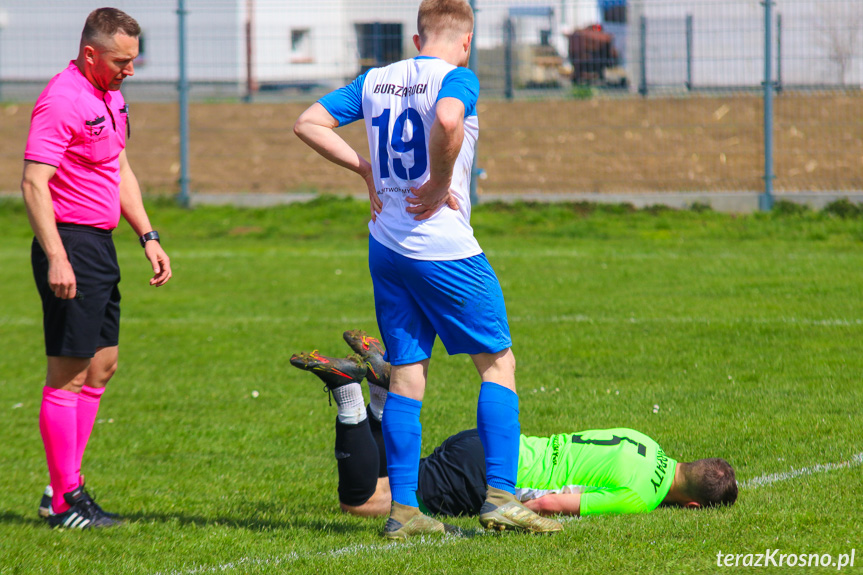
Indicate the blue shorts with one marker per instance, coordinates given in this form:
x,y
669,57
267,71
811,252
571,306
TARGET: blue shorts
x,y
415,300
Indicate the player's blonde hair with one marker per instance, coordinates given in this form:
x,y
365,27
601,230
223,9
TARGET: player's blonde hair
x,y
436,17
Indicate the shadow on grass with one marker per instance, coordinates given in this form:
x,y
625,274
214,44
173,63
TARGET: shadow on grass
x,y
249,523
9,518
259,524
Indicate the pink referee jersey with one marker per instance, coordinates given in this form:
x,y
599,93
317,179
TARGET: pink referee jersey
x,y
80,130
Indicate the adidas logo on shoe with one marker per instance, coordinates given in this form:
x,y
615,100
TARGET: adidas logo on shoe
x,y
83,513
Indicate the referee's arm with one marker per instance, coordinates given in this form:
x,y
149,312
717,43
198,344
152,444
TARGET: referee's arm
x,y
132,208
40,211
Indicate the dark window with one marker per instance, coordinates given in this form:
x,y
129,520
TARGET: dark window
x,y
613,11
379,44
301,46
142,50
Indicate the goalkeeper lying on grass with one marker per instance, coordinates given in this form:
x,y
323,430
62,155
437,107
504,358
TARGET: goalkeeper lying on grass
x,y
581,473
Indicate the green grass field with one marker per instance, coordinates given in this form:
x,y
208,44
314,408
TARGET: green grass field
x,y
746,332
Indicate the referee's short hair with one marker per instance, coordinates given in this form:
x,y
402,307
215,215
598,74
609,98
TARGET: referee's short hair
x,y
103,23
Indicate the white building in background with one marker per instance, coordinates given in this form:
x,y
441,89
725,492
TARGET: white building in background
x,y
41,36
275,43
322,43
333,40
815,42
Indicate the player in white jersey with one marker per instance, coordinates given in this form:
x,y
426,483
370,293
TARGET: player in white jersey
x,y
429,274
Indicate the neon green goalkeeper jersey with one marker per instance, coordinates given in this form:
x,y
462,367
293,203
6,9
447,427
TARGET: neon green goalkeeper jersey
x,y
616,470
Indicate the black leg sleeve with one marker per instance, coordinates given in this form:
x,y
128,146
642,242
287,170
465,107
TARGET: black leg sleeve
x,y
378,434
358,462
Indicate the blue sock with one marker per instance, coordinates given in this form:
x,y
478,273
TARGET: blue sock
x,y
403,440
499,431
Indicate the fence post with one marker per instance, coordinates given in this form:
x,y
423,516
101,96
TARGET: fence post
x,y
508,40
689,52
472,64
778,53
642,42
183,89
4,21
251,83
765,200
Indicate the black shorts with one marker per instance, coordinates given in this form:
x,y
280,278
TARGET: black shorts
x,y
452,479
78,327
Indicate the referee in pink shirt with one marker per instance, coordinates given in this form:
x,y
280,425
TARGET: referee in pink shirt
x,y
76,184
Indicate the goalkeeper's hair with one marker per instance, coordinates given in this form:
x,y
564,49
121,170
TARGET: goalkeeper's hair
x,y
710,482
444,17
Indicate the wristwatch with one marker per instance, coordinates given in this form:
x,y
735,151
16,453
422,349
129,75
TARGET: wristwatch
x,y
154,235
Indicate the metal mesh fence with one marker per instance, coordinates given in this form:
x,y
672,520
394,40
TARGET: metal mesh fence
x,y
578,95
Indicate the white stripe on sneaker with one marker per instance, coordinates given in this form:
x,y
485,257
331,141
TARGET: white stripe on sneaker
x,y
77,521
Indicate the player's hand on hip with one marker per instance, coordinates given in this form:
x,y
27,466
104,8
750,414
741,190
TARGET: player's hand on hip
x,y
429,198
61,279
160,261
375,200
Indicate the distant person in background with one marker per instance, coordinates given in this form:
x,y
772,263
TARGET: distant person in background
x,y
429,273
595,472
76,184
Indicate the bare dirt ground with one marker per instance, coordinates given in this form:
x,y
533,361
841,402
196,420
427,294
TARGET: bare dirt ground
x,y
600,145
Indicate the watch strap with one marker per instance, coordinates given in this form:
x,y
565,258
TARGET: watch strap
x,y
153,235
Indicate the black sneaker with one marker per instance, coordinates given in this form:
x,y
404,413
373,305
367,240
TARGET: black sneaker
x,y
372,352
45,509
362,343
333,371
98,507
82,514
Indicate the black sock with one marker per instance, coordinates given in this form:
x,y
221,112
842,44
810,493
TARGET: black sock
x,y
378,434
358,462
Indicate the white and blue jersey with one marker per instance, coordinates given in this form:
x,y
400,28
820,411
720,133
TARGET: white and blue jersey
x,y
398,104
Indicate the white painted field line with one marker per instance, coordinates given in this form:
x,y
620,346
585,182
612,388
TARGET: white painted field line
x,y
772,478
245,562
578,318
359,253
233,320
239,319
